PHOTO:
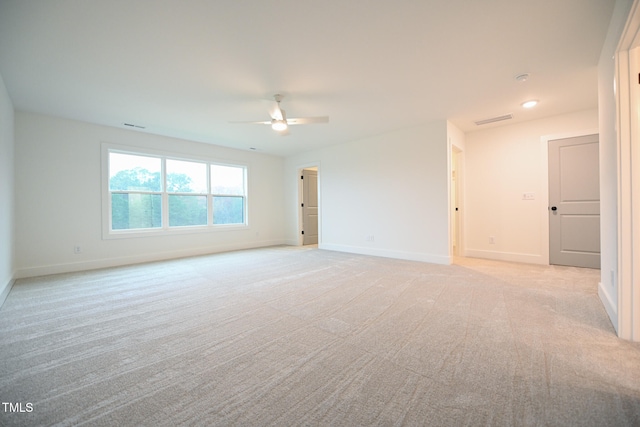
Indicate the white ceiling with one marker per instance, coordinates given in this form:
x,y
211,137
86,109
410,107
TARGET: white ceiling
x,y
185,68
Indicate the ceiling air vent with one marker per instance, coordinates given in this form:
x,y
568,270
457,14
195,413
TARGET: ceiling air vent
x,y
131,125
494,119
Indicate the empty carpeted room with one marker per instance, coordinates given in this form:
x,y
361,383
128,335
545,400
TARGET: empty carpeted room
x,y
269,213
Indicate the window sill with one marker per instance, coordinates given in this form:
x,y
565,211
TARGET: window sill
x,y
173,231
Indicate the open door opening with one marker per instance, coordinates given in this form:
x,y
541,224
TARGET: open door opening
x,y
455,200
309,205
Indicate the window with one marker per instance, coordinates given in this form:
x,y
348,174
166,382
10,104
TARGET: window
x,y
158,193
187,189
227,186
136,191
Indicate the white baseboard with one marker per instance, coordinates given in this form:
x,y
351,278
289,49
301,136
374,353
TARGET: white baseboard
x,y
609,306
410,256
506,256
5,288
137,259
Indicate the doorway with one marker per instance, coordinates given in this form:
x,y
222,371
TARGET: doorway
x,y
455,200
309,205
574,202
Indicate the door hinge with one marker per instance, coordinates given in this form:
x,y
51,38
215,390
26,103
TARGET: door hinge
x,y
302,231
302,204
301,176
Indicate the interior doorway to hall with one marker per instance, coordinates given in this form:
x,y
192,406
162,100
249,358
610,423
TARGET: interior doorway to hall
x,y
309,205
455,200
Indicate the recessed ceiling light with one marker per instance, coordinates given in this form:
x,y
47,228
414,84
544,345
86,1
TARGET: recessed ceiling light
x,y
530,104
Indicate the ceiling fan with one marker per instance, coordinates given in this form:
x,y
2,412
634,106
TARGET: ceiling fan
x,y
280,122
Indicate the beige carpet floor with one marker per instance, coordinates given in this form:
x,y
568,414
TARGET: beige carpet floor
x,y
290,336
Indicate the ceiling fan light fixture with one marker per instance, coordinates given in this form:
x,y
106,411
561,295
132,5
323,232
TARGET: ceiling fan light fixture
x,y
278,125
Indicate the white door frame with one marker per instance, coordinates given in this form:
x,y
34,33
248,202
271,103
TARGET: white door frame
x,y
628,141
300,198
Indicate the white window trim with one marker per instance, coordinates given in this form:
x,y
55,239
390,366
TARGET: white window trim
x,y
165,230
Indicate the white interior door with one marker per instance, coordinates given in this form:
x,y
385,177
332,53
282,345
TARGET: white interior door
x,y
309,207
574,202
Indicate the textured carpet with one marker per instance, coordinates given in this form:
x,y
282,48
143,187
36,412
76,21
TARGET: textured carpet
x,y
292,336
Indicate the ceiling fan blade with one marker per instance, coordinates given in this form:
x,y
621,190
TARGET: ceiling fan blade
x,y
252,123
307,120
275,112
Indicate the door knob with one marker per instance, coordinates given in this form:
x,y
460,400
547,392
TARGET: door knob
x,y
553,208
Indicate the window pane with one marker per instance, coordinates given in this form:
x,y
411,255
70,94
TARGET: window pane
x,y
129,211
187,210
227,180
131,172
186,177
228,210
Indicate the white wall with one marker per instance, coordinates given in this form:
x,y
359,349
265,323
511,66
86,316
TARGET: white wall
x,y
501,164
456,136
59,196
393,187
7,238
608,289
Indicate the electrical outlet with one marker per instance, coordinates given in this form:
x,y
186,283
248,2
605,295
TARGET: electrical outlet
x,y
492,240
369,238
528,196
77,249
